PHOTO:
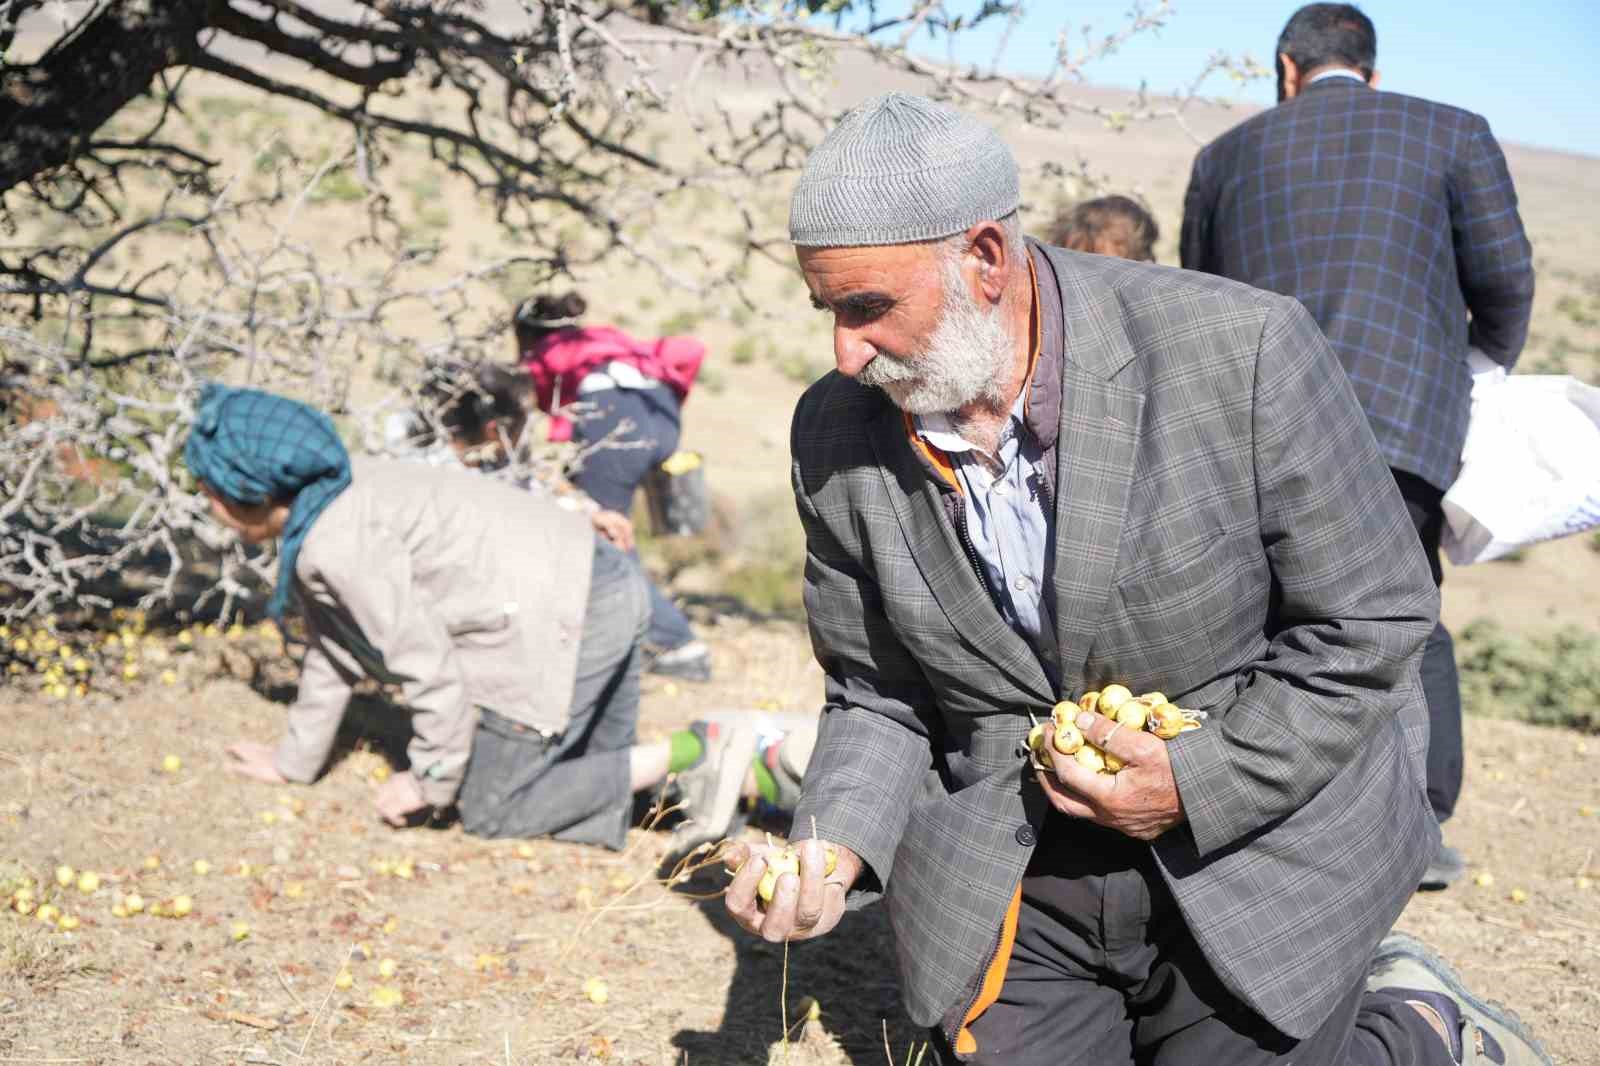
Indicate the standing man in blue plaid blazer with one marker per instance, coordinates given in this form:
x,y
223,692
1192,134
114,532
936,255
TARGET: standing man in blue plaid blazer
x,y
1394,221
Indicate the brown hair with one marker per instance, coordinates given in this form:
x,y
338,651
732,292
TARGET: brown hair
x,y
1110,225
539,315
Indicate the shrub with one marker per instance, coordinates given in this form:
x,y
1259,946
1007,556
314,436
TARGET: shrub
x,y
1550,678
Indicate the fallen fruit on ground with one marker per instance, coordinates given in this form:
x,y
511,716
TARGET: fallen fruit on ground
x,y
171,764
240,930
387,968
596,990
385,996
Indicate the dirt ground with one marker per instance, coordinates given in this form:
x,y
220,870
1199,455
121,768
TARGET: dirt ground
x,y
493,942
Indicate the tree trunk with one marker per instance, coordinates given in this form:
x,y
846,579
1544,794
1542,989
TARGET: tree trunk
x,y
48,109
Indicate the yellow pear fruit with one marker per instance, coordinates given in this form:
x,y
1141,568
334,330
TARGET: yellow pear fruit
x,y
88,882
1036,737
1166,720
133,903
1090,701
1112,697
1134,714
387,968
201,867
596,990
1153,698
181,906
239,930
65,875
1090,758
1068,739
68,923
1113,764
343,980
1065,711
778,864
386,997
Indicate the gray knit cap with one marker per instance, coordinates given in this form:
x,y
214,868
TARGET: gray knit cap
x,y
898,169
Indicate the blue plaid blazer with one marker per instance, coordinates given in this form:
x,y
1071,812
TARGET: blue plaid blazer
x,y
1394,221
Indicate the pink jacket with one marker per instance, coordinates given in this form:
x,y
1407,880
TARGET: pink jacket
x,y
558,361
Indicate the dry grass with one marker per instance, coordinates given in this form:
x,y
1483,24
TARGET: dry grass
x,y
494,940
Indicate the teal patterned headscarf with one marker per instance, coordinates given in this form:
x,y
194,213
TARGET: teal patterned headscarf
x,y
252,447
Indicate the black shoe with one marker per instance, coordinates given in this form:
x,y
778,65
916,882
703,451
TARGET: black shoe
x,y
1444,869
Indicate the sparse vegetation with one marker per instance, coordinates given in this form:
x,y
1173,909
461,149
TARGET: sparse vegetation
x,y
1550,678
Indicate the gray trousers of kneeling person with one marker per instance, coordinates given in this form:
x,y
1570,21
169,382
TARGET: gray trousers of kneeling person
x,y
575,786
1104,972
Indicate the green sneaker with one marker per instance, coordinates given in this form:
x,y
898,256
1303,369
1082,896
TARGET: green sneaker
x,y
711,789
1481,1030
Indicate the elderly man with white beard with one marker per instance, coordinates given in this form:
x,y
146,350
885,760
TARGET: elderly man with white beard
x,y
1038,472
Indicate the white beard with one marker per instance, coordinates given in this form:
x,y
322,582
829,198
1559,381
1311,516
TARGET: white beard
x,y
964,361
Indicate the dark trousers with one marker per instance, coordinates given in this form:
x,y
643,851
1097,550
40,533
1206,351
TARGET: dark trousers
x,y
645,423
1104,971
576,786
1440,683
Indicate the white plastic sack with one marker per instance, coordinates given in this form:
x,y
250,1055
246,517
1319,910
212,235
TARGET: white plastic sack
x,y
1530,469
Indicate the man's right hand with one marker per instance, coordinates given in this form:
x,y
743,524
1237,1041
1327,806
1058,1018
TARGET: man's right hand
x,y
802,907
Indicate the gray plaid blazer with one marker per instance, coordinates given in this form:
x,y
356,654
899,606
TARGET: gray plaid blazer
x,y
1225,532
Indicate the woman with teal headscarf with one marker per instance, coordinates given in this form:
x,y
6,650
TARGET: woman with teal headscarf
x,y
511,629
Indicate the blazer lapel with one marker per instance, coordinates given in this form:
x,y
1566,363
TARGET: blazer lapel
x,y
937,551
1096,450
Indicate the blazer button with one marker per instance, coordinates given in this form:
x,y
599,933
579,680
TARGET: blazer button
x,y
1026,836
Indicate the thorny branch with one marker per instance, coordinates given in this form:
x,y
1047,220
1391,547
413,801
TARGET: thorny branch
x,y
147,245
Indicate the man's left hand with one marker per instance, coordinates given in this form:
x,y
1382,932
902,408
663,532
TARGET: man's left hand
x,y
1140,800
398,798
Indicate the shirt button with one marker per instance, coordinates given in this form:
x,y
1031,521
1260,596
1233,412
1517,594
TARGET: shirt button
x,y
1020,584
1026,836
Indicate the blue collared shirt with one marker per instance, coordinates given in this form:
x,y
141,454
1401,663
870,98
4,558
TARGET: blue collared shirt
x,y
1007,510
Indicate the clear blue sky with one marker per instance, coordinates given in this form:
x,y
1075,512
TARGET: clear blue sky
x,y
1532,69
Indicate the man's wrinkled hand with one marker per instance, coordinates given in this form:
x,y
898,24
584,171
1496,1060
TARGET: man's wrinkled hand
x,y
803,907
398,798
250,758
1140,800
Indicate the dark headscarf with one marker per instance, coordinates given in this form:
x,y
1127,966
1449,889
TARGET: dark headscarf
x,y
253,447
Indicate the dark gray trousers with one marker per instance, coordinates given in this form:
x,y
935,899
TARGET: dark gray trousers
x,y
1104,971
575,786
1441,686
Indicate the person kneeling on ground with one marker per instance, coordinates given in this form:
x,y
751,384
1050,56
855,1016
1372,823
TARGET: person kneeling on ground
x,y
512,630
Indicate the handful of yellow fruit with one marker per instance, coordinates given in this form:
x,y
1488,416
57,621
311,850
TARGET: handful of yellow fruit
x,y
1151,712
787,861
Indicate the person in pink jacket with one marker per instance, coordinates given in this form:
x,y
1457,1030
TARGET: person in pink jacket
x,y
634,390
